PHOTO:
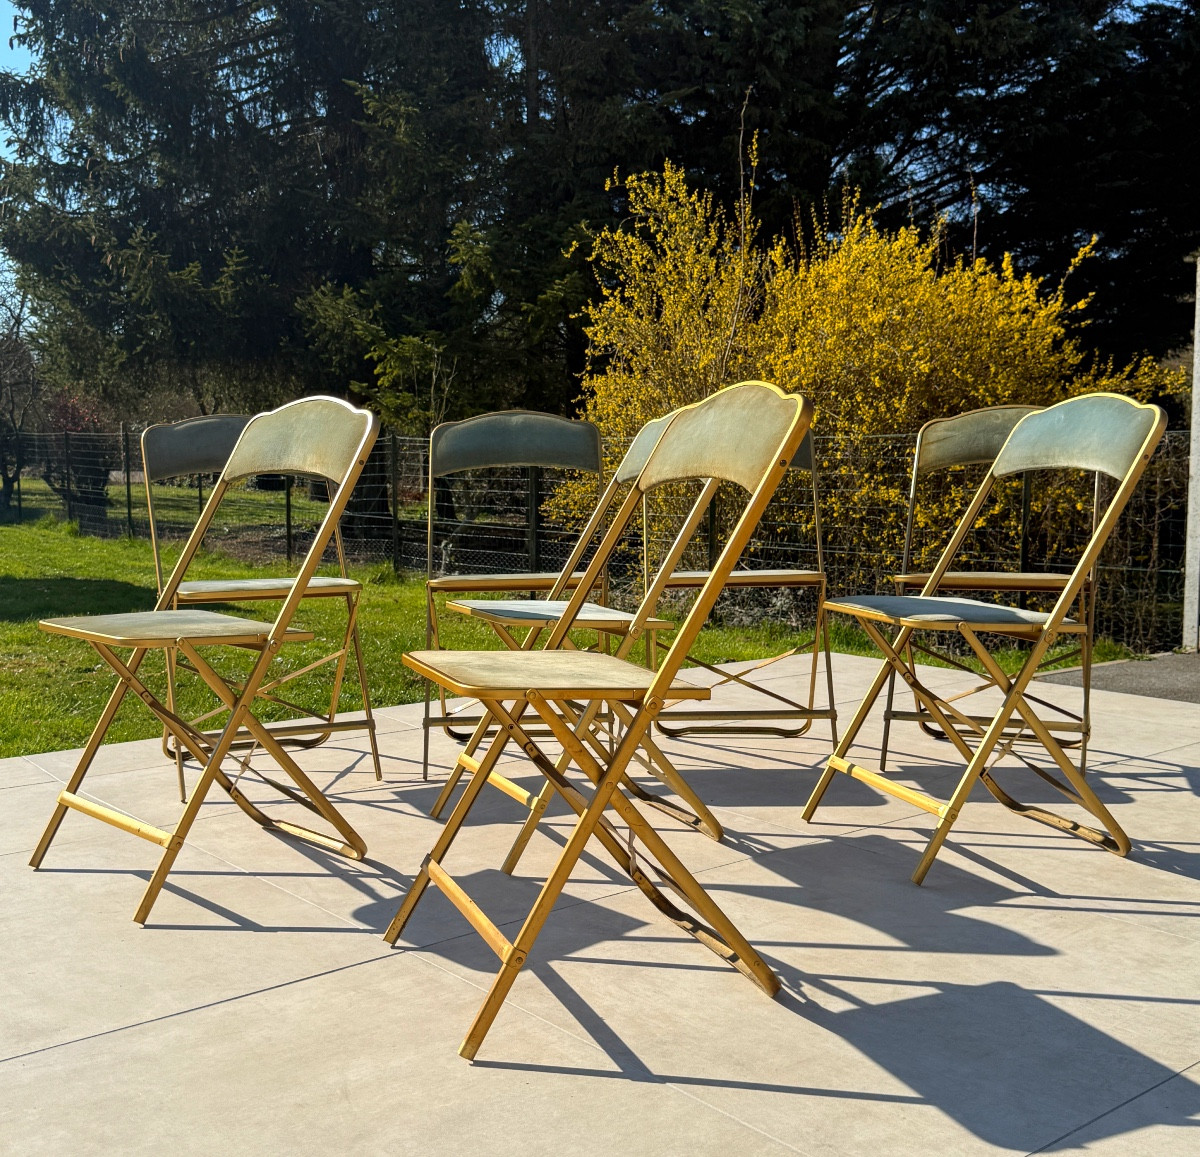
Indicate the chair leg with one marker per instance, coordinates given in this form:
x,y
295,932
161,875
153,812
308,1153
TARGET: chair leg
x,y
449,831
889,703
849,735
699,817
366,698
1088,595
513,960
177,753
85,761
469,749
823,628
729,943
664,770
1080,791
354,847
171,851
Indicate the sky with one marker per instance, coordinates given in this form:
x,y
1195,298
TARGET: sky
x,y
11,60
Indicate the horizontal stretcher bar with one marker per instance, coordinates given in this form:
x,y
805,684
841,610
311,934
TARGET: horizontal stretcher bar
x,y
535,581
117,819
760,713
889,786
1072,725
475,916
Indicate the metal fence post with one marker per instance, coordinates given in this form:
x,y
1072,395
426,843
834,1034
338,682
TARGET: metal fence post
x,y
20,463
395,489
712,533
67,467
1191,557
128,479
532,535
1026,503
287,516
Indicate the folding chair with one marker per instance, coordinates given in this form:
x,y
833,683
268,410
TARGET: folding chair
x,y
974,439
508,438
202,446
1094,432
536,615
315,437
692,721
745,434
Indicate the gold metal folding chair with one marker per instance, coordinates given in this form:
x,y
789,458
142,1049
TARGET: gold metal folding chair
x,y
537,615
963,441
314,437
202,446
746,434
507,438
773,719
1099,432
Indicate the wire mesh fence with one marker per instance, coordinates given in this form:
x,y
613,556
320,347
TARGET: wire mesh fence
x,y
510,520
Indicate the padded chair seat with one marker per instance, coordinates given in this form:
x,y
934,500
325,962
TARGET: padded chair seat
x,y
243,590
781,577
989,580
507,675
937,612
539,581
526,612
166,628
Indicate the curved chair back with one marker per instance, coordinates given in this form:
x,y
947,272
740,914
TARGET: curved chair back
x,y
514,438
1100,432
319,437
508,438
1106,433
194,446
970,439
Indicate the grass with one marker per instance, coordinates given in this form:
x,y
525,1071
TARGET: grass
x,y
52,689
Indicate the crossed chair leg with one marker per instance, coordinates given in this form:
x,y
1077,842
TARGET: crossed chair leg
x,y
302,734
992,739
808,712
1066,723
210,755
713,928
695,815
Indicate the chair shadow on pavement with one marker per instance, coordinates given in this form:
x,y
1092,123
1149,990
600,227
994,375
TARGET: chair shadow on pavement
x,y
1010,1064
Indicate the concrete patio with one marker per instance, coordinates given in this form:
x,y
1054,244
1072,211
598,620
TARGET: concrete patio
x,y
1035,995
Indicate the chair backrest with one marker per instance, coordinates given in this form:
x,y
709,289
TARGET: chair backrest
x,y
317,437
1101,432
1105,433
804,459
514,438
747,434
970,439
194,446
507,438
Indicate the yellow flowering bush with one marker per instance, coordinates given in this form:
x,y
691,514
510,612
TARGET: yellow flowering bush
x,y
874,325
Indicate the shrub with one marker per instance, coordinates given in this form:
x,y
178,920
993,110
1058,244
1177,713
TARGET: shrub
x,y
879,329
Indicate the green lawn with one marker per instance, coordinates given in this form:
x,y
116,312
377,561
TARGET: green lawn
x,y
52,688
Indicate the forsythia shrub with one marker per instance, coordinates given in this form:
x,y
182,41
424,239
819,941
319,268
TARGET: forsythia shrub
x,y
873,325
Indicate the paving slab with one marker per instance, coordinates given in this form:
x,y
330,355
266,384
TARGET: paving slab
x,y
1036,994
